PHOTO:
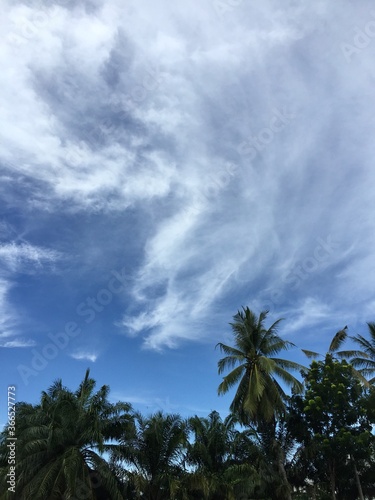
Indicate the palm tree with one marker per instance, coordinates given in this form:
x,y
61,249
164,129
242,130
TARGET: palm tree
x,y
60,442
218,453
259,398
356,359
259,395
153,451
365,361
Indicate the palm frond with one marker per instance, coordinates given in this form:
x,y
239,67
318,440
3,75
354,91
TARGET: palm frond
x,y
289,365
338,340
231,379
228,362
350,354
274,344
311,354
274,327
287,377
363,363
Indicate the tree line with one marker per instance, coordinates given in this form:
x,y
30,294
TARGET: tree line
x,y
293,432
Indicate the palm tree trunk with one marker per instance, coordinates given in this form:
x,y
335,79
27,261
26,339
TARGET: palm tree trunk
x,y
314,497
357,480
282,472
332,478
275,453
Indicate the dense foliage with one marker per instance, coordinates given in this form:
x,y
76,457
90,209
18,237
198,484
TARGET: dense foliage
x,y
315,442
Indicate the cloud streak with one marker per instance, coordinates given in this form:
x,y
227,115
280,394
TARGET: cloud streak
x,y
18,256
83,355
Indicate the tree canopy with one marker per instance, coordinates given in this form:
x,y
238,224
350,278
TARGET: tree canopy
x,y
286,436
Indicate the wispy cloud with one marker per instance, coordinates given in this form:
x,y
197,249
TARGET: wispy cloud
x,y
7,313
16,343
9,320
18,256
310,313
154,403
85,356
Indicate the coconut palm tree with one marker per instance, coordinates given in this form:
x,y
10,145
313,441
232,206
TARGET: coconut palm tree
x,y
365,361
360,359
60,442
258,373
153,453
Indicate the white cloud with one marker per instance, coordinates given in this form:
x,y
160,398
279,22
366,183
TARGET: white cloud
x,y
7,315
82,355
138,400
9,320
15,256
310,313
17,343
154,403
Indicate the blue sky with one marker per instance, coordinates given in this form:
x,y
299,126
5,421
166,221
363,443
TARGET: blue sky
x,y
163,165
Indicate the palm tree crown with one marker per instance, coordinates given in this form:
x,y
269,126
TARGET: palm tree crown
x,y
154,450
257,371
365,361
